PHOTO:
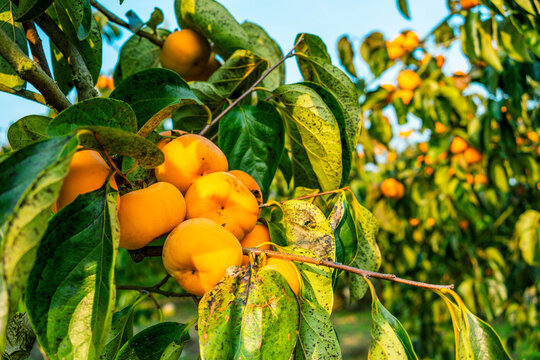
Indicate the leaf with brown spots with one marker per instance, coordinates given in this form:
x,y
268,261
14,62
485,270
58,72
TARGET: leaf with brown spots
x,y
250,314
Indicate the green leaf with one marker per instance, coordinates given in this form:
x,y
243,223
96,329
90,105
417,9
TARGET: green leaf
x,y
266,47
312,127
137,54
96,111
312,46
30,181
340,115
528,234
483,341
134,21
250,314
403,7
344,227
369,255
238,73
389,340
154,95
15,31
346,54
513,42
28,130
470,38
121,331
253,138
373,51
488,53
214,21
90,47
307,227
341,87
164,341
156,18
70,291
29,9
80,16
317,338
115,141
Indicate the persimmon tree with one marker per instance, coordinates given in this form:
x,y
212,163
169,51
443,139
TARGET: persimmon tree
x,y
62,273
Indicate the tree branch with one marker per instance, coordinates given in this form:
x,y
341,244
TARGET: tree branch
x,y
30,95
150,289
115,19
31,72
36,46
250,90
81,75
150,251
309,196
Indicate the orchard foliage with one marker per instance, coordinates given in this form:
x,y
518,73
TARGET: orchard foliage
x,y
62,275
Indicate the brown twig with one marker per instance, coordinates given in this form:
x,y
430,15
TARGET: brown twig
x,y
334,265
151,289
82,78
309,196
151,251
31,72
115,19
36,46
27,94
251,88
109,160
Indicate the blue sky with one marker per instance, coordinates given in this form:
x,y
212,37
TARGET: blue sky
x,y
328,19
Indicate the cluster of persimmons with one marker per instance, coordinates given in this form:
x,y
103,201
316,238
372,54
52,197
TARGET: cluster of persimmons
x,y
208,212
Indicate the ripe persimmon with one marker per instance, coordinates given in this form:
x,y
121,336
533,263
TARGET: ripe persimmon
x,y
408,80
458,145
468,4
259,235
148,213
187,158
197,254
186,52
405,95
223,198
410,41
87,172
250,183
395,51
392,189
288,270
472,155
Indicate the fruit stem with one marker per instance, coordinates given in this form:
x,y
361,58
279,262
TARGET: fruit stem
x,y
308,196
334,265
250,90
115,19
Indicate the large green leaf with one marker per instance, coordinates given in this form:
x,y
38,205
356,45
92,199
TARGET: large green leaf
x,y
263,45
214,21
373,51
154,94
250,314
315,130
28,130
252,138
369,255
347,150
97,111
70,291
14,30
513,42
30,9
344,227
30,180
340,86
115,141
479,341
90,48
164,341
137,54
238,73
389,340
